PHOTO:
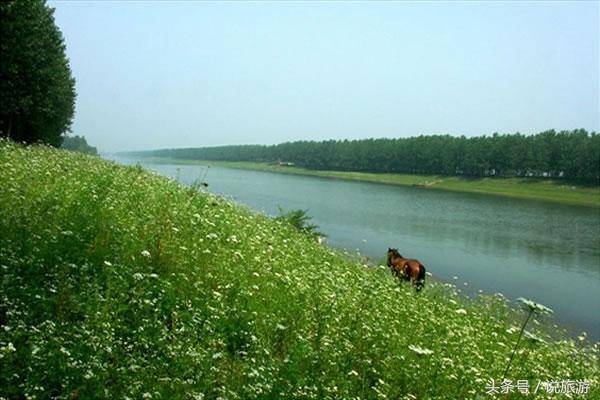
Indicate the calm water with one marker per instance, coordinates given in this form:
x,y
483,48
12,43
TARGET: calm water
x,y
546,252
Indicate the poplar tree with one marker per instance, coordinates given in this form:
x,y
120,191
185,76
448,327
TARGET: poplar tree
x,y
37,89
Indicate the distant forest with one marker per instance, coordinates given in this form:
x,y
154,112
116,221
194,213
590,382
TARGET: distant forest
x,y
571,155
78,143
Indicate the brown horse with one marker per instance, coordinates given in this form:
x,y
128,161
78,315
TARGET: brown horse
x,y
406,269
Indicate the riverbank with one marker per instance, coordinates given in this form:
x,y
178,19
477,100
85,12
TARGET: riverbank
x,y
117,282
520,188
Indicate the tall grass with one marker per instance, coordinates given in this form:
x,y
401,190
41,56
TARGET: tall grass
x,y
118,283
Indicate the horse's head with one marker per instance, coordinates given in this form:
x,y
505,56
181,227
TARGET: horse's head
x,y
390,254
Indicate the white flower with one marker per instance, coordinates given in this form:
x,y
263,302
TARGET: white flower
x,y
9,348
108,264
535,307
533,337
461,311
420,351
353,372
212,236
233,239
138,277
146,253
512,330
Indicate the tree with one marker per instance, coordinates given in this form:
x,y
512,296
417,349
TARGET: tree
x,y
571,155
78,143
37,90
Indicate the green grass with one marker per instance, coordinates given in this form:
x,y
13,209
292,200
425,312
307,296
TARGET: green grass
x,y
119,283
522,188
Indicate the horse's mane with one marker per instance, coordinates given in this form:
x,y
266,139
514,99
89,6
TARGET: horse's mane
x,y
395,252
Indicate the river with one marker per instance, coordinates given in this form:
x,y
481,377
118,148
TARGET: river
x,y
547,252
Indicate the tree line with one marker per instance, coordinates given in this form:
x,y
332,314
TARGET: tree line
x,y
79,144
571,155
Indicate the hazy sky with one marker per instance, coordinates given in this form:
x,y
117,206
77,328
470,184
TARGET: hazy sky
x,y
164,74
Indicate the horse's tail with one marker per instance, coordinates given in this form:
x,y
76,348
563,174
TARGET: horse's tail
x,y
421,277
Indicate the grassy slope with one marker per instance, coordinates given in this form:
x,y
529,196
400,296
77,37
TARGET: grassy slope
x,y
117,282
534,189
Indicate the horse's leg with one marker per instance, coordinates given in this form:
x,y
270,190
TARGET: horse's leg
x,y
421,277
406,277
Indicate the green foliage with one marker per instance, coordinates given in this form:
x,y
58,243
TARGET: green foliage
x,y
554,190
300,220
37,90
119,283
78,143
572,155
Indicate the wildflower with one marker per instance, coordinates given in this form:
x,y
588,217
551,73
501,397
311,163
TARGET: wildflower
x,y
461,311
535,307
233,239
533,337
10,348
146,253
212,236
353,372
108,264
138,277
420,350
